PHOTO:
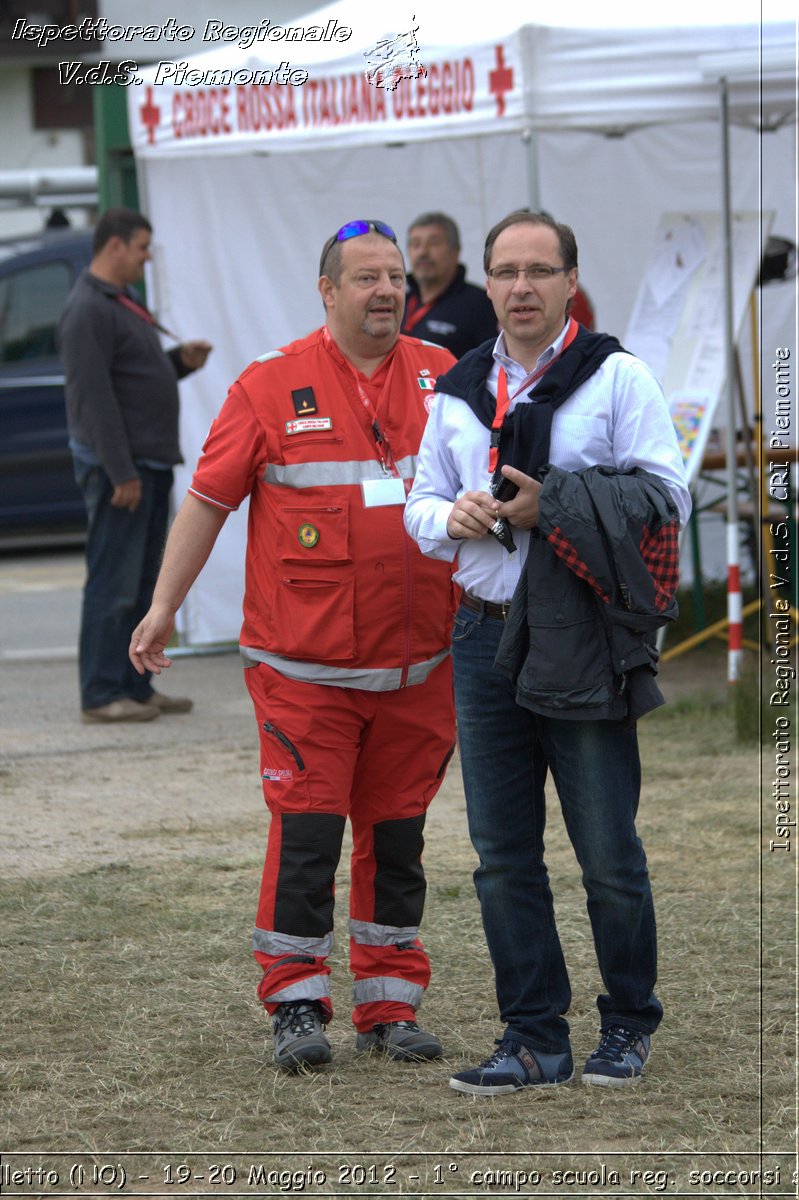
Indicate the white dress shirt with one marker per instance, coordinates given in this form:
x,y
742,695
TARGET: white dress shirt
x,y
617,418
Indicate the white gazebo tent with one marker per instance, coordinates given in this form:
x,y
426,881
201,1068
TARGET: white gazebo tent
x,y
244,179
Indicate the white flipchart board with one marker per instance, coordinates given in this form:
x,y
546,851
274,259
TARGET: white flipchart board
x,y
677,322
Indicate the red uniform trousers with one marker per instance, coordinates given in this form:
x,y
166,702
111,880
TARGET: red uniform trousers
x,y
328,753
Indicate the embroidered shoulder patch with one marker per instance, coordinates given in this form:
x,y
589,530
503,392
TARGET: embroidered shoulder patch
x,y
304,401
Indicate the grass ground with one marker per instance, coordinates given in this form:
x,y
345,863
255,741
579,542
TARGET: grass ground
x,y
130,1022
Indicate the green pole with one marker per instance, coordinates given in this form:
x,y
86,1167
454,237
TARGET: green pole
x,y
115,163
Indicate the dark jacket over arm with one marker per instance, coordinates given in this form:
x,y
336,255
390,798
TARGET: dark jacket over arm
x,y
600,579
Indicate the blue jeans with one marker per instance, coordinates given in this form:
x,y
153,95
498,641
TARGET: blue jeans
x,y
123,555
506,751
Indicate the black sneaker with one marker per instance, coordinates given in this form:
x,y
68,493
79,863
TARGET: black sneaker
x,y
619,1058
298,1031
513,1066
401,1039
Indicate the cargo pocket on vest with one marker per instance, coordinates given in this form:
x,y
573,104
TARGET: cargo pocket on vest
x,y
313,534
313,618
313,608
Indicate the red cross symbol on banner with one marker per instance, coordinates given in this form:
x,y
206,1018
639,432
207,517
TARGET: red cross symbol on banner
x,y
150,116
500,80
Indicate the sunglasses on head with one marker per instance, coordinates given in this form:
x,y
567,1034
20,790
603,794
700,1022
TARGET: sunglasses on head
x,y
355,229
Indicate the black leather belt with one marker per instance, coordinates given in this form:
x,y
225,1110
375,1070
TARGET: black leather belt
x,y
499,612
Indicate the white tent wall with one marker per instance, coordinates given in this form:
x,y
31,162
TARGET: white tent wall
x,y
614,190
627,185
236,260
238,237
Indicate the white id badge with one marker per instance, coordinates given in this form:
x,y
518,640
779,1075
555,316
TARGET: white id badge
x,y
377,492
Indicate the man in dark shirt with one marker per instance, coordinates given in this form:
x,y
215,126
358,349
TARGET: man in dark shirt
x,y
122,413
441,306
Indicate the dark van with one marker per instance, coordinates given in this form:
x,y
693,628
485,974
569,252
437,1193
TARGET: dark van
x,y
38,493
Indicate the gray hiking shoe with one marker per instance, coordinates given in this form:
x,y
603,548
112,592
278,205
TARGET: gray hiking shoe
x,y
401,1039
298,1030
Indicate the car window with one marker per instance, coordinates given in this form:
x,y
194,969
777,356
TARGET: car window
x,y
30,305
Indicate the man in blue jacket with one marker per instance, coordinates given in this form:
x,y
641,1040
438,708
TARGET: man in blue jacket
x,y
545,393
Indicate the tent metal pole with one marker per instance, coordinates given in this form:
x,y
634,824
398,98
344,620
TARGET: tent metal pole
x,y
734,599
531,158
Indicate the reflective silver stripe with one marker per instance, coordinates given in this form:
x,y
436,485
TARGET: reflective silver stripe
x,y
387,987
369,934
407,466
334,474
363,679
315,987
268,941
269,354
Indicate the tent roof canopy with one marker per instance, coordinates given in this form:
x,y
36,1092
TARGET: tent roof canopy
x,y
434,83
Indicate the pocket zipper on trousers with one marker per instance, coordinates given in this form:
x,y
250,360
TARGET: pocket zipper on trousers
x,y
284,741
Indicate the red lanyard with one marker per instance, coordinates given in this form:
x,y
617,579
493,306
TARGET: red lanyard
x,y
503,399
382,446
144,314
381,441
413,315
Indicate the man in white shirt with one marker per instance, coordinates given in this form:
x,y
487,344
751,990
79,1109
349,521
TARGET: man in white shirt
x,y
545,394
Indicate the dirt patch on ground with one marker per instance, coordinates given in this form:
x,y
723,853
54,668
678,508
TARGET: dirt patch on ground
x,y
74,794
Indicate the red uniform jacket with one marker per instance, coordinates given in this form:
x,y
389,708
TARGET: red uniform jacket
x,y
336,590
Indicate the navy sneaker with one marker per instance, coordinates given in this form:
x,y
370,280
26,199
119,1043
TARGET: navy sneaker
x,y
401,1039
619,1058
513,1066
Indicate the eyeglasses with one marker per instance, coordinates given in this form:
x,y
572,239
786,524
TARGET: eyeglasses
x,y
355,229
535,274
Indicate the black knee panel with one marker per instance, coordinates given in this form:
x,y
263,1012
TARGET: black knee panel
x,y
399,877
310,847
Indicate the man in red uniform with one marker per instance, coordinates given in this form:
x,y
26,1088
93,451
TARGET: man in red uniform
x,y
345,643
